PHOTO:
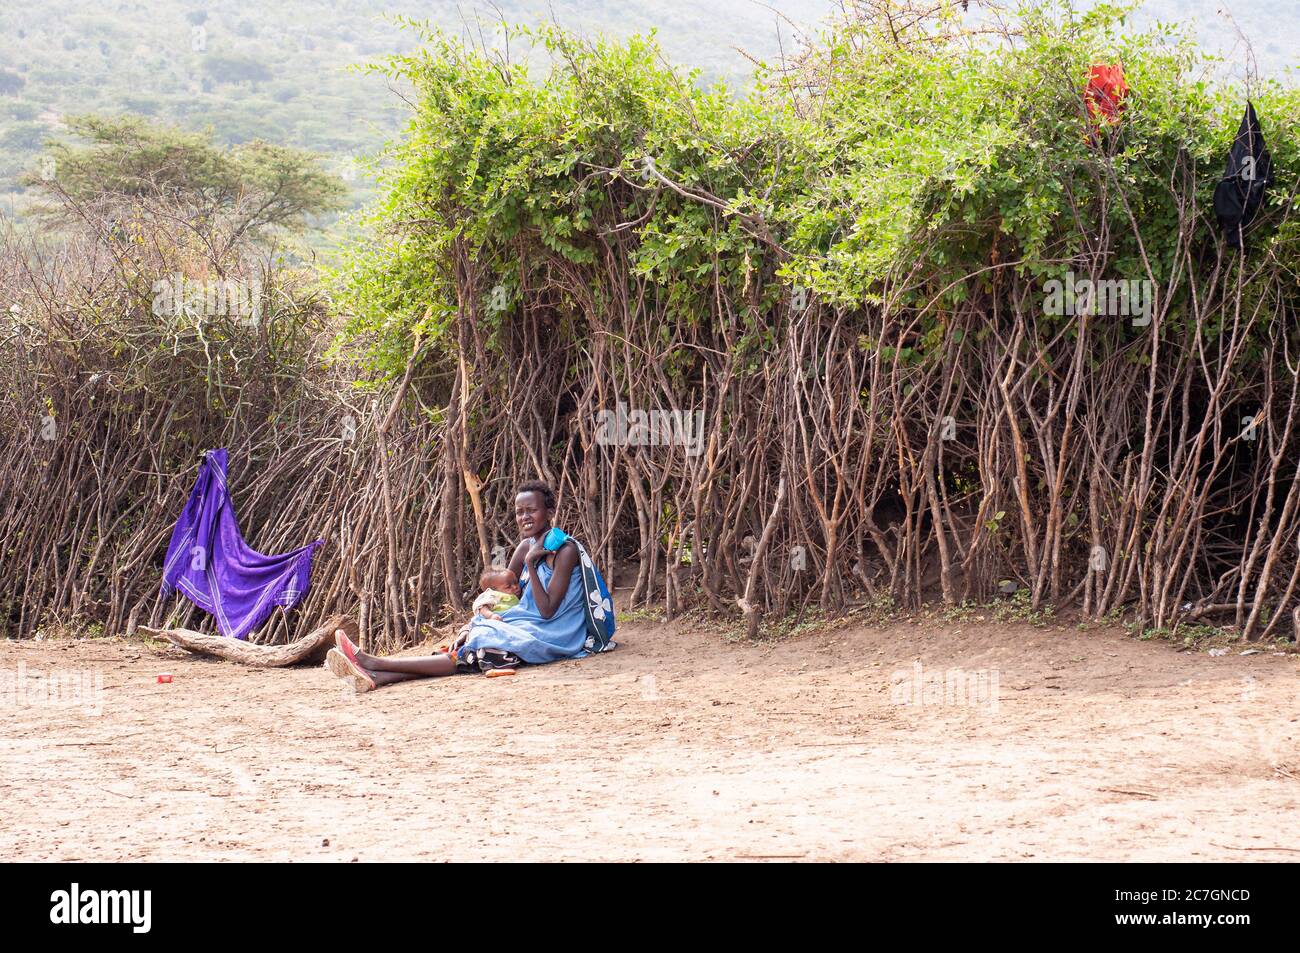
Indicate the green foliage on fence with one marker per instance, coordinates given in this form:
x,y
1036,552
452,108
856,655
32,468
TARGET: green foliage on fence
x,y
888,167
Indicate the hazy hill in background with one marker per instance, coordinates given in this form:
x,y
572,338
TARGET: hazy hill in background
x,y
278,71
1273,29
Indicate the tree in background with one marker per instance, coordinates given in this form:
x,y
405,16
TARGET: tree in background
x,y
124,162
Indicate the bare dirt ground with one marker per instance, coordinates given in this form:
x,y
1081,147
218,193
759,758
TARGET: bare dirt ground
x,y
677,746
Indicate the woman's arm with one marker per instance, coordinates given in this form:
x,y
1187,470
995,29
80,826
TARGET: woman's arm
x,y
517,560
548,600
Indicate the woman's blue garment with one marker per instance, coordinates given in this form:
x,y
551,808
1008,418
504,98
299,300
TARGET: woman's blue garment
x,y
598,604
525,632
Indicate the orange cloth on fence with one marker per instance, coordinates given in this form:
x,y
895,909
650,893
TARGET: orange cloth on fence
x,y
1105,94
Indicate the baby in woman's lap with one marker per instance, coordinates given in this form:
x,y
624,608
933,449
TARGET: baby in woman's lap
x,y
501,591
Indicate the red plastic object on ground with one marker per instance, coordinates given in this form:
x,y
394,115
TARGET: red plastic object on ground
x,y
164,679
1105,93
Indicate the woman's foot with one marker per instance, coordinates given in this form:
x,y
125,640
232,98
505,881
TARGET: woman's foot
x,y
356,676
349,650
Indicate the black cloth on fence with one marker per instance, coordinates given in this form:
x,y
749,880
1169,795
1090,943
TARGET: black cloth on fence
x,y
1240,192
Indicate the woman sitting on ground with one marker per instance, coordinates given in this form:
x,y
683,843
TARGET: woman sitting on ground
x,y
549,623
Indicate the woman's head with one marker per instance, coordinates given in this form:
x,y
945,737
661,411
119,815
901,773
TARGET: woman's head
x,y
534,508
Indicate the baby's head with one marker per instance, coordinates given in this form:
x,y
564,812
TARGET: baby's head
x,y
502,580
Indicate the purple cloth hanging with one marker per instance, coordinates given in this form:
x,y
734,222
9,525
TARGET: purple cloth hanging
x,y
211,564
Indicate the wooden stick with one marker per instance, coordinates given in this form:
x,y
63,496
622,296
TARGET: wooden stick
x,y
311,648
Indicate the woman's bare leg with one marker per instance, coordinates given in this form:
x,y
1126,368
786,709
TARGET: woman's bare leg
x,y
395,669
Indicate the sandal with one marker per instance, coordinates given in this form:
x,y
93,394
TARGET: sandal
x,y
349,671
346,646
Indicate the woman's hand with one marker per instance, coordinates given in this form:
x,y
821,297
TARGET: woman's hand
x,y
536,555
548,599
